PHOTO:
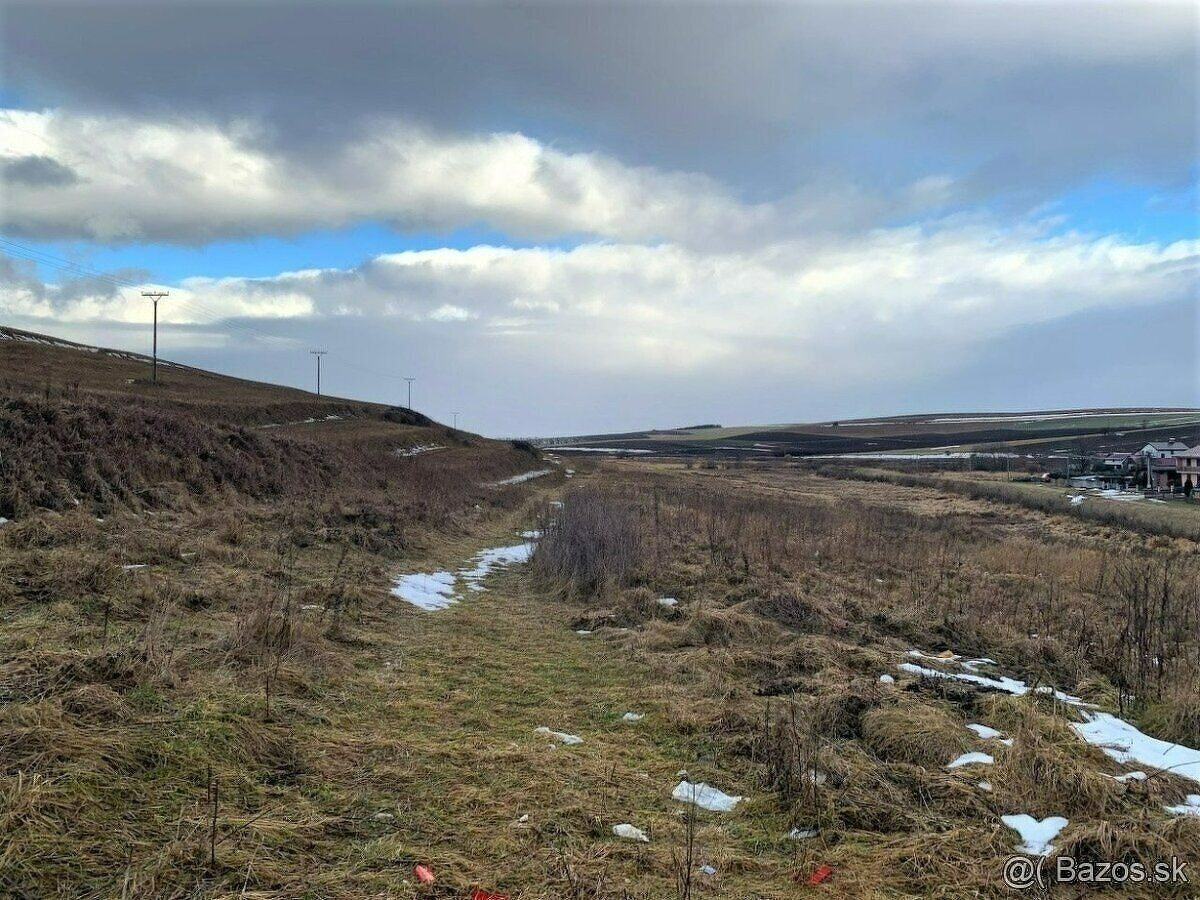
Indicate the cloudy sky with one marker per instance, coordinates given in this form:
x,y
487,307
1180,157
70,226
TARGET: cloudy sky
x,y
589,217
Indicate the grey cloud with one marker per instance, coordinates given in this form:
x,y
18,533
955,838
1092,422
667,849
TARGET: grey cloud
x,y
753,94
37,171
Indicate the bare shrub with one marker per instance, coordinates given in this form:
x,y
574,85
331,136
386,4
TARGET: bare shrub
x,y
594,543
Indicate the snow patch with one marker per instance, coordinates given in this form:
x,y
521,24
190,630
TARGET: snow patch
x,y
428,591
971,759
517,479
1125,743
1035,835
1189,807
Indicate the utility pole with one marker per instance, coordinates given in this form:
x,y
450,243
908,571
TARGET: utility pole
x,y
156,296
410,381
318,354
455,420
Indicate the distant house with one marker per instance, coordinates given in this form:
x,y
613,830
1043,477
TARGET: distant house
x,y
1116,463
1187,463
1158,465
1162,449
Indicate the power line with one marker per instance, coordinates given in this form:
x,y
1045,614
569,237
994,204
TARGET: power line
x,y
318,354
41,257
156,296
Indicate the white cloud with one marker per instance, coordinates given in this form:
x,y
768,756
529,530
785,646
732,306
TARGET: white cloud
x,y
126,179
892,303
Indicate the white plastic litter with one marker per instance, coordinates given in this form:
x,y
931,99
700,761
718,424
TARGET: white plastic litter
x,y
705,796
667,601
583,631
802,834
633,717
886,679
1035,835
970,759
630,833
561,736
985,786
708,870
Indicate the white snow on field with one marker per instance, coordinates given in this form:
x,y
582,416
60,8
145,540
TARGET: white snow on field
x,y
1035,835
601,449
3,521
802,834
1002,683
417,449
561,736
633,717
1189,807
667,601
984,731
705,796
630,833
1122,741
428,591
1126,744
487,561
1136,775
971,759
438,590
886,679
517,479
1041,417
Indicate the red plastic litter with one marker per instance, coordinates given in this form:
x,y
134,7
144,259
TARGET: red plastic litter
x,y
479,894
424,873
820,874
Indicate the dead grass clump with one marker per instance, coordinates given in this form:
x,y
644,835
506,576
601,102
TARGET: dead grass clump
x,y
792,611
1049,771
839,714
39,737
1175,719
1122,840
729,628
960,859
891,798
915,733
96,703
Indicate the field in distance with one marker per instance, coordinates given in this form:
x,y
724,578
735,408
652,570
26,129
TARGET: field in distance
x,y
1077,430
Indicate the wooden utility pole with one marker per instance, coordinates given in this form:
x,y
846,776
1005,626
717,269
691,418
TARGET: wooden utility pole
x,y
156,296
318,354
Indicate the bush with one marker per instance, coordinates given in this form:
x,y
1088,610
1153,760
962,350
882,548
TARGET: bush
x,y
594,543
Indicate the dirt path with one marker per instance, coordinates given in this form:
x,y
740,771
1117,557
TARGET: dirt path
x,y
440,739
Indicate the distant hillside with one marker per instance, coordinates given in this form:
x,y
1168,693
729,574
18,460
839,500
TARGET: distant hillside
x,y
86,426
1075,430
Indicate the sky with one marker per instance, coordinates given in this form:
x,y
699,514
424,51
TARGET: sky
x,y
595,217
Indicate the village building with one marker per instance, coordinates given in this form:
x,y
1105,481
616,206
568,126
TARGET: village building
x,y
1187,463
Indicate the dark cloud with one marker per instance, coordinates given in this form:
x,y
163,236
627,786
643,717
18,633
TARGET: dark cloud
x,y
1035,94
37,171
